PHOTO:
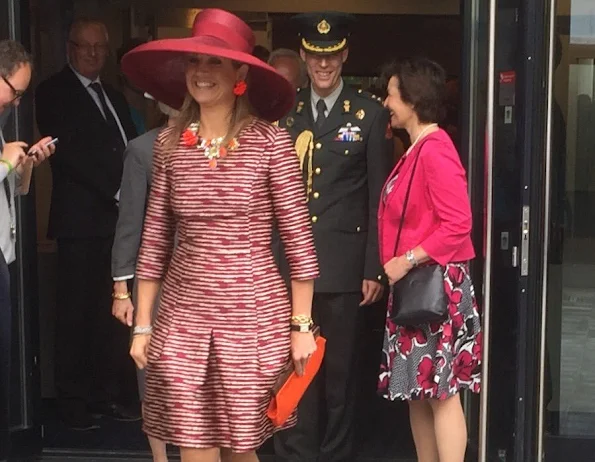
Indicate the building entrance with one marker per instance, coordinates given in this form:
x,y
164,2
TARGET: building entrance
x,y
451,32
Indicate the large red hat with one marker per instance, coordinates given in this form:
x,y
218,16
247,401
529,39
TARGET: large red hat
x,y
159,67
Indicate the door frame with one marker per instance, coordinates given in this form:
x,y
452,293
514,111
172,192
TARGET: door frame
x,y
476,151
475,114
533,123
26,430
541,385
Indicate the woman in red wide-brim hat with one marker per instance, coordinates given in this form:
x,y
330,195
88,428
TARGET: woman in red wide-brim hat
x,y
221,176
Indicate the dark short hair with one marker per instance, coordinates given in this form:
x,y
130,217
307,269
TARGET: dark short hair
x,y
422,83
261,53
12,56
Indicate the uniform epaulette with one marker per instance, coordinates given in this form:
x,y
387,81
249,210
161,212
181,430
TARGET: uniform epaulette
x,y
368,95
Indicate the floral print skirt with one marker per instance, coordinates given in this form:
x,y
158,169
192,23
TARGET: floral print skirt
x,y
435,360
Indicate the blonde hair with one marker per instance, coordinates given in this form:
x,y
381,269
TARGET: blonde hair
x,y
241,115
167,110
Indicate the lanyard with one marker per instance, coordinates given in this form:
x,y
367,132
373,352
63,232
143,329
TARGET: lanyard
x,y
13,229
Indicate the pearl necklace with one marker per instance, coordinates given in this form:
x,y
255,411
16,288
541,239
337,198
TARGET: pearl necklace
x,y
419,137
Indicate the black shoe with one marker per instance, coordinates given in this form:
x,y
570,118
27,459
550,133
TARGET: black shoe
x,y
78,420
114,411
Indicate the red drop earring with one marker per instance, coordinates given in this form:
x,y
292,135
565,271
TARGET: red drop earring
x,y
240,88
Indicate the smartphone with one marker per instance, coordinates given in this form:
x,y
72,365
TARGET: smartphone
x,y
48,144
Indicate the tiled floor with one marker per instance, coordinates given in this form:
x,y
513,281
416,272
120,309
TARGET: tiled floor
x,y
576,344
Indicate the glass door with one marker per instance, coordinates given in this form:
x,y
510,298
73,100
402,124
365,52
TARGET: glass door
x,y
515,134
567,360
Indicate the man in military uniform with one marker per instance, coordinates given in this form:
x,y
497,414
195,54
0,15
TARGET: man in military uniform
x,y
345,151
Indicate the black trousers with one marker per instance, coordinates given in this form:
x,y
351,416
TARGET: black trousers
x,y
5,352
326,414
92,361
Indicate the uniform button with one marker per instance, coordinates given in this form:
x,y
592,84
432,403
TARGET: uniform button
x,y
314,219
317,171
379,278
318,145
346,151
358,229
316,195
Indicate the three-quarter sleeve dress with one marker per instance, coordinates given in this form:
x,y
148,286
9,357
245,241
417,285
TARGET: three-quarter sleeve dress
x,y
222,335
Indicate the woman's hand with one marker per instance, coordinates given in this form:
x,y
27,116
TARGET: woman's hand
x,y
303,346
396,269
139,350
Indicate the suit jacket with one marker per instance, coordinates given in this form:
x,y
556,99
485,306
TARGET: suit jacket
x,y
87,165
438,215
134,194
347,177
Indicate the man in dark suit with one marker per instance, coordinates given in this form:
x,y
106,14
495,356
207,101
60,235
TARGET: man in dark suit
x,y
94,376
342,138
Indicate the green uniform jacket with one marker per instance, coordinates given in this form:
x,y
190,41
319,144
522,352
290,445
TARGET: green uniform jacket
x,y
351,159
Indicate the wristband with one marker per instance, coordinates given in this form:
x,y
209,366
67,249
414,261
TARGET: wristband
x,y
8,164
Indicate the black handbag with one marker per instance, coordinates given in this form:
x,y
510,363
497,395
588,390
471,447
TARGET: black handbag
x,y
418,298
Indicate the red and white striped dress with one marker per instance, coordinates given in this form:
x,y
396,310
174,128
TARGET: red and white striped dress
x,y
222,333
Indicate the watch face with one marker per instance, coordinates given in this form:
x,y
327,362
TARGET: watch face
x,y
300,328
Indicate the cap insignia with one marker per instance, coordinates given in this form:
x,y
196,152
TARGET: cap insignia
x,y
323,27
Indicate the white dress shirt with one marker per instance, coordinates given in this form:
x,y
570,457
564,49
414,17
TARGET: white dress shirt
x,y
87,84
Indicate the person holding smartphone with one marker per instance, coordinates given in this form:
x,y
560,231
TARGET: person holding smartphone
x,y
16,163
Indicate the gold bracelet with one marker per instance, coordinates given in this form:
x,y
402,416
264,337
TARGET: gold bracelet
x,y
8,164
301,319
121,296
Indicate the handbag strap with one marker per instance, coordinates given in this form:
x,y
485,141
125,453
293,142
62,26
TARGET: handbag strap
x,y
406,201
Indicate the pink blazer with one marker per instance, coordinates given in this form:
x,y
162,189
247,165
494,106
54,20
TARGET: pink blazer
x,y
438,215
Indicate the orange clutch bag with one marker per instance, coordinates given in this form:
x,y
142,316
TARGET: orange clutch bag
x,y
290,388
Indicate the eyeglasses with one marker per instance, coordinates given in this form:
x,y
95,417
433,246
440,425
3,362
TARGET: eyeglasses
x,y
99,48
17,94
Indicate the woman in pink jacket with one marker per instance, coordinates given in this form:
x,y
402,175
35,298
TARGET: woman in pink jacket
x,y
429,364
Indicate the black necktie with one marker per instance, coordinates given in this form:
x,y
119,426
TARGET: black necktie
x,y
320,109
109,117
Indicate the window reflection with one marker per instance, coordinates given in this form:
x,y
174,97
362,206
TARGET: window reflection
x,y
570,373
